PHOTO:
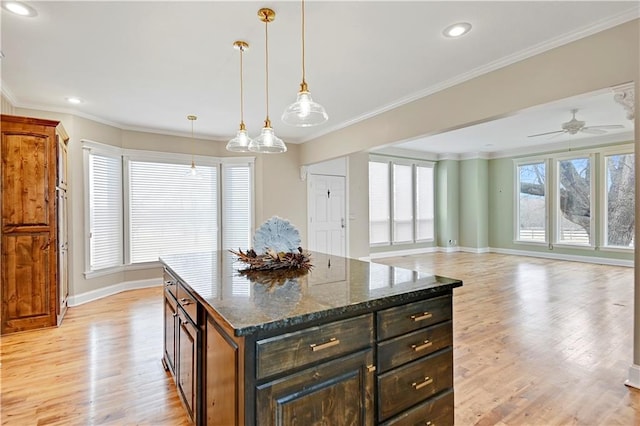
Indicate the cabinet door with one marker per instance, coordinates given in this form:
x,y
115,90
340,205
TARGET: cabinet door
x,y
339,392
188,337
170,324
223,384
27,300
25,180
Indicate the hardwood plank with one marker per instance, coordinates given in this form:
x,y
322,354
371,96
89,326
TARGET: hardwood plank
x,y
102,366
536,342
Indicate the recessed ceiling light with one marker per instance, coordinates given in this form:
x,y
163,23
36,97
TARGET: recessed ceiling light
x,y
19,8
457,30
74,100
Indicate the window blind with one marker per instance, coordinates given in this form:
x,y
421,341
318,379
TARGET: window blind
x,y
424,203
236,206
379,209
105,212
402,203
169,211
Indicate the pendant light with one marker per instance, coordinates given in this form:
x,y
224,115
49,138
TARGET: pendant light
x,y
242,140
267,142
304,112
193,172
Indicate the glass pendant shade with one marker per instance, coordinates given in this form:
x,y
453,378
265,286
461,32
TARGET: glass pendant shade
x,y
304,112
241,142
268,142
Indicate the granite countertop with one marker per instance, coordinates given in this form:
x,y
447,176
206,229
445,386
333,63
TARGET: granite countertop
x,y
335,286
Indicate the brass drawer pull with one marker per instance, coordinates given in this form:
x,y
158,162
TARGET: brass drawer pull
x,y
427,381
422,346
422,316
332,342
430,423
184,301
371,368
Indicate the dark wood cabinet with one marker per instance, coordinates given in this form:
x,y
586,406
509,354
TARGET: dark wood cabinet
x,y
385,362
34,280
182,351
338,392
187,359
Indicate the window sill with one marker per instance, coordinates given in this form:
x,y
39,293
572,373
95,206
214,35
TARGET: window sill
x,y
614,249
103,272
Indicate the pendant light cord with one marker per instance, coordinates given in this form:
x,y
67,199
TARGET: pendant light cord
x,y
266,66
241,90
304,83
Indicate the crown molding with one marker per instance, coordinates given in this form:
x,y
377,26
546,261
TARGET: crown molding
x,y
621,18
7,93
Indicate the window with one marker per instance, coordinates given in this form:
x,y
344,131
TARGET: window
x,y
555,199
237,207
105,210
619,223
532,202
379,211
143,205
169,211
401,202
573,215
425,227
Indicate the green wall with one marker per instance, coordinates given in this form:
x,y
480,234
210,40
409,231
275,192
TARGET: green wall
x,y
501,197
474,206
447,203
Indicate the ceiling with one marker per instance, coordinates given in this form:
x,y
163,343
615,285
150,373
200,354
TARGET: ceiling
x,y
147,65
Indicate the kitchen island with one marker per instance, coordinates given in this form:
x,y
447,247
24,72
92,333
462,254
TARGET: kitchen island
x,y
350,342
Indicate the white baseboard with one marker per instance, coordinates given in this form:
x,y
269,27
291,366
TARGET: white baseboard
x,y
634,377
555,256
571,257
89,296
476,250
395,253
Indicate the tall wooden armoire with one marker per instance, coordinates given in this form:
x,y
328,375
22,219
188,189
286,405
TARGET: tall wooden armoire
x,y
33,274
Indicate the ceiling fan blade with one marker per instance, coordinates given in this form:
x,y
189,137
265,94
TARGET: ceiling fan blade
x,y
546,133
606,126
593,131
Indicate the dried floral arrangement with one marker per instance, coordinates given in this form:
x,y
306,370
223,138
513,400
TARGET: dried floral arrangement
x,y
278,256
274,261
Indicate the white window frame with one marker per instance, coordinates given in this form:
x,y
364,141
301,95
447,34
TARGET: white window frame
x,y
516,230
88,147
627,149
556,217
390,162
152,156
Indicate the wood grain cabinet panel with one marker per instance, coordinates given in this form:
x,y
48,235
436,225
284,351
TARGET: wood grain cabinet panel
x,y
437,411
314,344
338,392
187,373
405,318
170,337
406,386
409,347
34,279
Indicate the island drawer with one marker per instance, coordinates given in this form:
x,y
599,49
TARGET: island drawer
x,y
406,386
406,318
292,350
437,411
170,283
188,303
409,347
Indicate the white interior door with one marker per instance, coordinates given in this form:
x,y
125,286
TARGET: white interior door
x,y
327,214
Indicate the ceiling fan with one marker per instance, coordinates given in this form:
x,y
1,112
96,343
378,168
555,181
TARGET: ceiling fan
x,y
574,126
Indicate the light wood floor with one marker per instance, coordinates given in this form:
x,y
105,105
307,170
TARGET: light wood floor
x,y
536,342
